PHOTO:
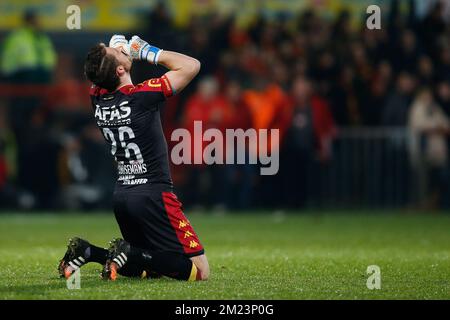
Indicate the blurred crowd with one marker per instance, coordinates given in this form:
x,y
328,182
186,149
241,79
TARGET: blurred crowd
x,y
307,75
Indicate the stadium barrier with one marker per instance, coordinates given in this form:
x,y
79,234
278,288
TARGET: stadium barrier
x,y
370,168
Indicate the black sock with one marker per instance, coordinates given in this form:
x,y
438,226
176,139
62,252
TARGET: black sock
x,y
96,254
132,270
167,263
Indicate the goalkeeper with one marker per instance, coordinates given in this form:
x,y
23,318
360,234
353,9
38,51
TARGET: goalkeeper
x,y
158,239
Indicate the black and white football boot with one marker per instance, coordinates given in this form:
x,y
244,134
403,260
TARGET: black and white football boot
x,y
119,251
77,255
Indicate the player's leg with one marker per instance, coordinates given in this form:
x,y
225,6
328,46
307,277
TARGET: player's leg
x,y
131,232
186,237
80,252
123,256
155,226
179,233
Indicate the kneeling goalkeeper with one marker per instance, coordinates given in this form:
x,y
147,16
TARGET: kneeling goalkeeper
x,y
158,238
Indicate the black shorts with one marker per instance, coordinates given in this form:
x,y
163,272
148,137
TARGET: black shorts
x,y
154,220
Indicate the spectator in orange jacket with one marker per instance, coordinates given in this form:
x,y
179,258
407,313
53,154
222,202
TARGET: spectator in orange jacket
x,y
269,110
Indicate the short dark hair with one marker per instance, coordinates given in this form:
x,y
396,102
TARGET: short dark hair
x,y
100,68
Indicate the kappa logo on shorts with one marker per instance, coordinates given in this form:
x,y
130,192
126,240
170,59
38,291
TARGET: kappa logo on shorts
x,y
188,234
183,224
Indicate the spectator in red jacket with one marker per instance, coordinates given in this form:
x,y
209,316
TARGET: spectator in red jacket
x,y
208,106
240,178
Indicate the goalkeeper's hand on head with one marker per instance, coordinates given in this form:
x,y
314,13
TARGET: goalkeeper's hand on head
x,y
119,41
141,50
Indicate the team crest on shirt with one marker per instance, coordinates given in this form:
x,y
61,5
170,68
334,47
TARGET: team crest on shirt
x,y
154,83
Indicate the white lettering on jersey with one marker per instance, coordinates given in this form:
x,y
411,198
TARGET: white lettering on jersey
x,y
112,112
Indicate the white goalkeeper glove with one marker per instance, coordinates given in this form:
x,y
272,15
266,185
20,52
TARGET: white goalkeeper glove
x,y
119,41
141,50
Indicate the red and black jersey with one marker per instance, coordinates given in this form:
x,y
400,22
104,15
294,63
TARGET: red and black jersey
x,y
129,119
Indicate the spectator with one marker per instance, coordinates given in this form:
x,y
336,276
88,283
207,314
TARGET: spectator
x,y
425,71
342,97
407,56
429,152
395,115
443,96
397,107
209,107
27,58
432,29
240,178
86,179
308,139
28,55
66,101
373,108
268,109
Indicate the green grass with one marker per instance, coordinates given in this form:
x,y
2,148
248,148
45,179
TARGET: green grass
x,y
252,256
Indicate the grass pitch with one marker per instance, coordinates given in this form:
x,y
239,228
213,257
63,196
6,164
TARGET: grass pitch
x,y
252,256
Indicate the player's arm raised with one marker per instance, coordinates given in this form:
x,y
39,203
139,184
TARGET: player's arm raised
x,y
182,67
